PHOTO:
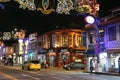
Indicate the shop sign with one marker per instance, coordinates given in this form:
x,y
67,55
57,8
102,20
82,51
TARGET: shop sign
x,y
64,50
33,37
114,44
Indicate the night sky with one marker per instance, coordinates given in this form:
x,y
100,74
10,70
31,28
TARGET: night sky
x,y
33,21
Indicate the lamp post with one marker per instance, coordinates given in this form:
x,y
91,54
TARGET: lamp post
x,y
95,22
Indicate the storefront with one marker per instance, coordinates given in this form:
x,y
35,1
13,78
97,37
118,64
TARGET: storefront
x,y
64,57
113,55
90,54
103,65
52,59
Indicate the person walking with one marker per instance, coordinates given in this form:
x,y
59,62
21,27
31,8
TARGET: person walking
x,y
91,66
119,65
45,64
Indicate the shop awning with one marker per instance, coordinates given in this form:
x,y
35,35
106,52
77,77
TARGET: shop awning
x,y
42,52
90,51
113,50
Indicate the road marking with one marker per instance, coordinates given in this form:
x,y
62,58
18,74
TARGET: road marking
x,y
66,76
8,76
57,78
52,74
41,74
31,77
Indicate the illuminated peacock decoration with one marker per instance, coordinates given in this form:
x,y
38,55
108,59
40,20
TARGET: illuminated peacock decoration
x,y
46,6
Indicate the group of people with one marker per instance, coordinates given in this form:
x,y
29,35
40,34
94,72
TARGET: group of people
x,y
7,61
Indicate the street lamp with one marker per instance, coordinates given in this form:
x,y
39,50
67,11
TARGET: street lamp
x,y
90,19
95,21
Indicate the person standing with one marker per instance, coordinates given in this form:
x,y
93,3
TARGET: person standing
x,y
91,66
119,65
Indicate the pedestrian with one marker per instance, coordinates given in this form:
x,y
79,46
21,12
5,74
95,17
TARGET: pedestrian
x,y
91,66
119,65
45,64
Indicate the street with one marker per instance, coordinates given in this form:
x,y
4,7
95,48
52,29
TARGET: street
x,y
14,74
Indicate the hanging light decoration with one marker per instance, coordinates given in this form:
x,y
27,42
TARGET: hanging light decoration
x,y
4,0
86,6
26,4
64,6
46,6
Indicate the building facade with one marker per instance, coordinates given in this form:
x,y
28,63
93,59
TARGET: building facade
x,y
62,46
112,40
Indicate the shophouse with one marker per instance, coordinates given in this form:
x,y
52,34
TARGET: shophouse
x,y
62,46
91,39
13,46
111,26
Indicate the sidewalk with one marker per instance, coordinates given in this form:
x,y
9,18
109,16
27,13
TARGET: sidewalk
x,y
106,73
18,67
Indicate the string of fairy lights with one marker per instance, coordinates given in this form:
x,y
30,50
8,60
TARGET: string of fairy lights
x,y
63,6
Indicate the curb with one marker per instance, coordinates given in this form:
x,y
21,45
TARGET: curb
x,y
103,73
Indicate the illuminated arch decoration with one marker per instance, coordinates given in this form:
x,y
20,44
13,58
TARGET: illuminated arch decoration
x,y
26,4
46,6
86,6
64,6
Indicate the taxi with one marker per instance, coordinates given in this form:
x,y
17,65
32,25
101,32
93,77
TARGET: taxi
x,y
31,65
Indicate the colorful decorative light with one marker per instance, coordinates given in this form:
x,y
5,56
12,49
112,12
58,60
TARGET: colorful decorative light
x,y
64,6
46,7
86,6
4,0
26,4
6,36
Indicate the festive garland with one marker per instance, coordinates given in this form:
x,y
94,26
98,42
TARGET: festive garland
x,y
63,6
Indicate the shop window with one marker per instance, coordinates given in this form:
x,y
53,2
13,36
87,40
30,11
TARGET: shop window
x,y
70,39
65,41
84,39
112,33
74,37
91,38
79,40
101,34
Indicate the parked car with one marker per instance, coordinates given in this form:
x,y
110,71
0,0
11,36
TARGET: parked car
x,y
74,65
31,65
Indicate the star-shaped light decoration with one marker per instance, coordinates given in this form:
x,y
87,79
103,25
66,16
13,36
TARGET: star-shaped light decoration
x,y
64,6
26,4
